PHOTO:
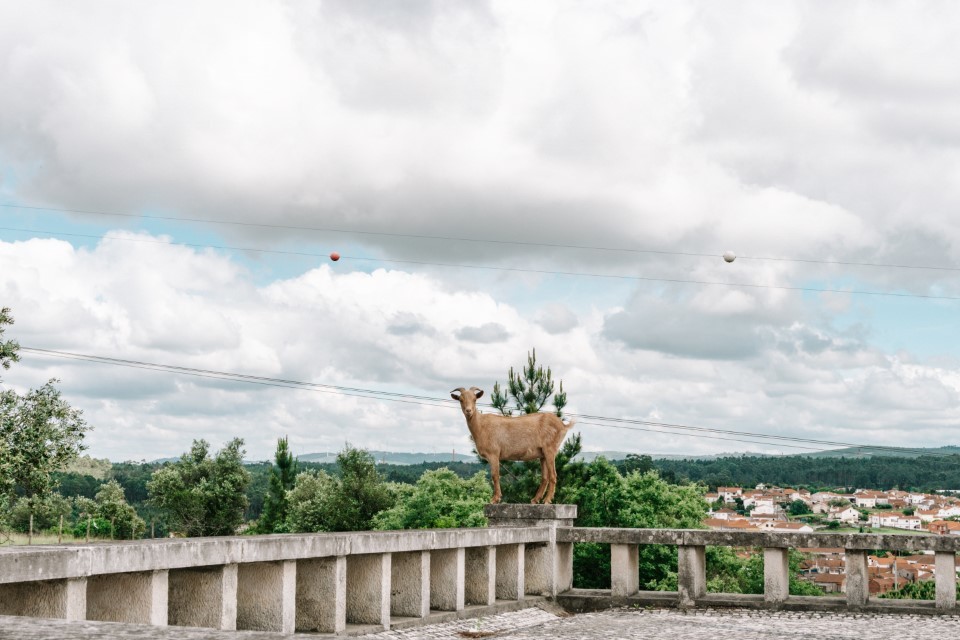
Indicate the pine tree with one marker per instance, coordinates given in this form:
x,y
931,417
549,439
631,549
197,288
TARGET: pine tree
x,y
530,391
282,475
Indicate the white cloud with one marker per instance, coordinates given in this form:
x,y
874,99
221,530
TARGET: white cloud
x,y
791,130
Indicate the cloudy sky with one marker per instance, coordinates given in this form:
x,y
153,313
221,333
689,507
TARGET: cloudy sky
x,y
498,176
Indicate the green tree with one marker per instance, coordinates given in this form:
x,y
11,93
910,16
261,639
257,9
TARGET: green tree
x,y
200,495
530,391
440,499
111,505
320,502
799,508
8,348
39,434
308,502
46,512
282,475
644,500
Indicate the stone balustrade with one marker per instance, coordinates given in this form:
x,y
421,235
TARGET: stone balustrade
x,y
389,579
314,582
691,567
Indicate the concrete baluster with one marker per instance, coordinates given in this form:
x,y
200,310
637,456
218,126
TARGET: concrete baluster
x,y
946,576
691,574
858,578
776,576
624,569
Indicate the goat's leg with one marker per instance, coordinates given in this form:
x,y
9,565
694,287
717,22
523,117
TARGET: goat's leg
x,y
551,472
543,481
495,475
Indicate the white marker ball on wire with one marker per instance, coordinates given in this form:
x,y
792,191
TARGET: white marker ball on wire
x,y
729,256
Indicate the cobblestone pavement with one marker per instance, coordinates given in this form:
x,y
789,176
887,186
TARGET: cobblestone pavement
x,y
726,624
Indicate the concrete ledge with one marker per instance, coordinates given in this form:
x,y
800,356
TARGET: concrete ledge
x,y
26,564
531,511
766,539
586,600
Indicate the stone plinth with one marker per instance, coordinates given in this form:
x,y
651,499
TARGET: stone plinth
x,y
530,515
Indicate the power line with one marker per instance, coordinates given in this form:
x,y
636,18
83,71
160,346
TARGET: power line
x,y
475,240
792,442
745,285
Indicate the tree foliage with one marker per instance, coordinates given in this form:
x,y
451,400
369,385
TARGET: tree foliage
x,y
282,476
321,502
924,473
8,348
115,517
530,391
39,434
200,495
440,499
608,499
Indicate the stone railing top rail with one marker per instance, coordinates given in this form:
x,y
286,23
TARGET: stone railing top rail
x,y
19,564
765,539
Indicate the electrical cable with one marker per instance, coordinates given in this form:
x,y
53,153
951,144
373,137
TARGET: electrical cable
x,y
745,285
463,239
429,401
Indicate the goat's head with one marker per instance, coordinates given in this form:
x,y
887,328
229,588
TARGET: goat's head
x,y
467,399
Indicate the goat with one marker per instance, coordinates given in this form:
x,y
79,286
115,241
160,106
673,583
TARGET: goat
x,y
535,436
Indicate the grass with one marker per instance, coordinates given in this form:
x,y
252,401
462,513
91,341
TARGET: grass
x,y
20,539
880,530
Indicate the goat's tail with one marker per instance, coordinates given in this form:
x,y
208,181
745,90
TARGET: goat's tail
x,y
570,424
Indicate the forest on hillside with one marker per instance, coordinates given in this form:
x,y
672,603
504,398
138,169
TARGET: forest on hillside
x,y
927,473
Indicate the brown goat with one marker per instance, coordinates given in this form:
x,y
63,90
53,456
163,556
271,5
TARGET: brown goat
x,y
535,436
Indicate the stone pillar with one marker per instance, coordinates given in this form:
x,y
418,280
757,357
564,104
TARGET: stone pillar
x,y
368,589
410,584
322,595
139,597
776,576
266,596
204,597
510,572
624,569
65,599
552,568
691,574
480,574
858,579
447,579
75,599
946,577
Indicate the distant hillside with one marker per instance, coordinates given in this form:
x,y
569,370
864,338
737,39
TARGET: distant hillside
x,y
590,456
861,452
394,457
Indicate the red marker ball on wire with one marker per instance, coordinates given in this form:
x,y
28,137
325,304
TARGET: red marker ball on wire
x,y
334,256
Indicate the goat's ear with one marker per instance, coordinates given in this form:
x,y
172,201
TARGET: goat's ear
x,y
455,394
478,392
